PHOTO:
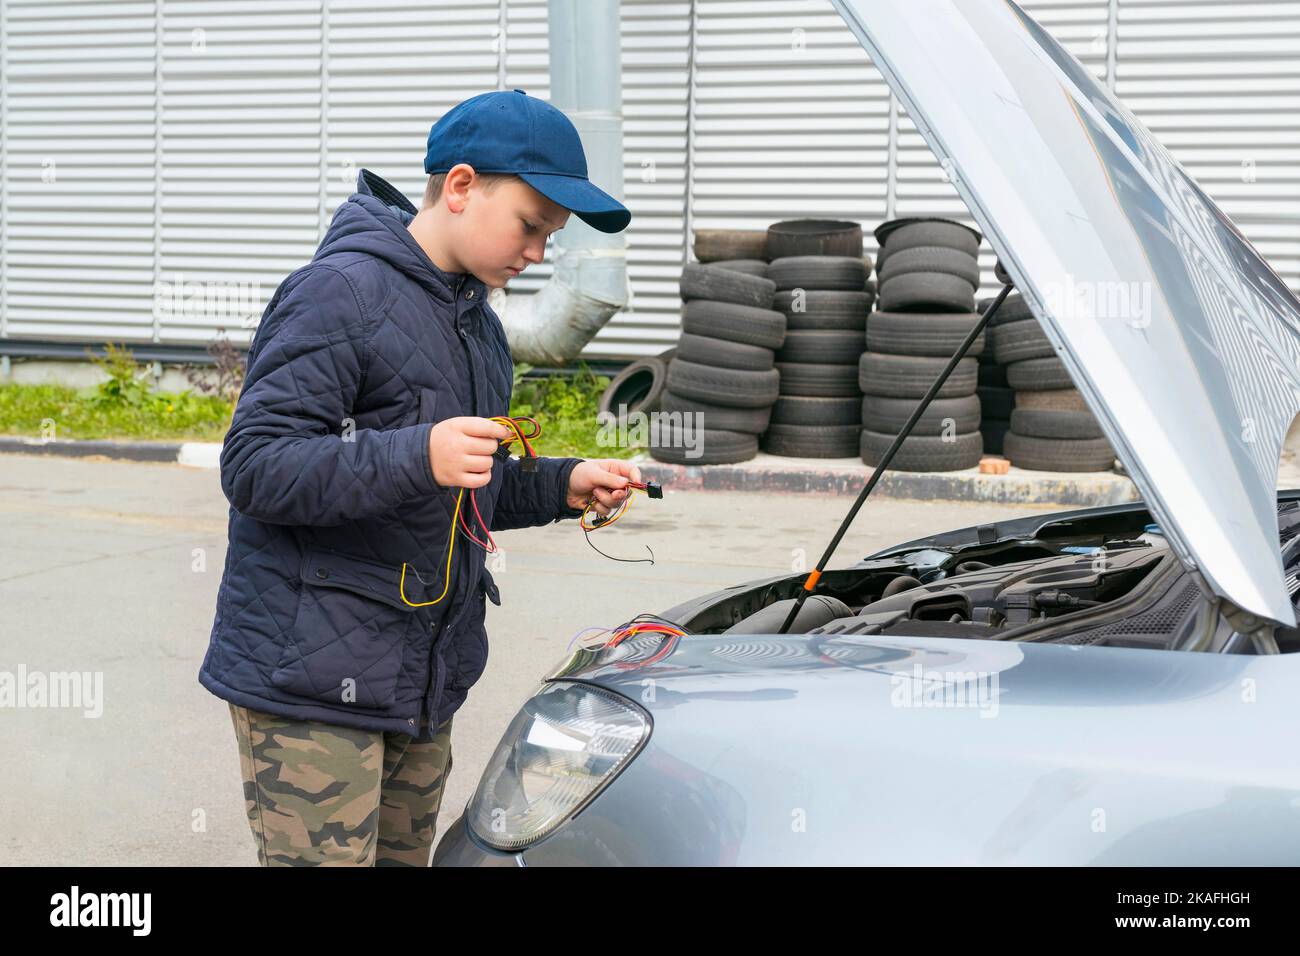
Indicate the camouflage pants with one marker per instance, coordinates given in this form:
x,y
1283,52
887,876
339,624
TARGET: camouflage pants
x,y
319,794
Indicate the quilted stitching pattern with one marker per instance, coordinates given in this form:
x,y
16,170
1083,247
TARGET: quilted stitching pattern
x,y
328,454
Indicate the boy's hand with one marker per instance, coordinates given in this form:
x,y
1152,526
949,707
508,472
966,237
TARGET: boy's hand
x,y
461,449
604,478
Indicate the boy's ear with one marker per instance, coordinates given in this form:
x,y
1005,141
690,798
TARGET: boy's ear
x,y
459,179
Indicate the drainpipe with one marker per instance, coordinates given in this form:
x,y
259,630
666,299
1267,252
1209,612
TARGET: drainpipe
x,y
589,282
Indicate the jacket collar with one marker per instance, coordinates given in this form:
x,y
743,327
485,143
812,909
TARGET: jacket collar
x,y
445,284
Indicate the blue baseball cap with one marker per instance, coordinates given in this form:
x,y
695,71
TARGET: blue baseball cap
x,y
508,131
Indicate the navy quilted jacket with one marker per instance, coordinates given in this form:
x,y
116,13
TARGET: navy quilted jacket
x,y
326,466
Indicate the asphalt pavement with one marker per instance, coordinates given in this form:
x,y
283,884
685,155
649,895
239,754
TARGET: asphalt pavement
x,y
112,567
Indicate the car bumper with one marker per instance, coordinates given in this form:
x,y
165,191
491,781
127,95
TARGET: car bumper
x,y
459,847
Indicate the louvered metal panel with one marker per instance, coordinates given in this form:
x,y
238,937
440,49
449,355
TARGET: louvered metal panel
x,y
79,169
1219,85
241,133
791,118
199,149
393,68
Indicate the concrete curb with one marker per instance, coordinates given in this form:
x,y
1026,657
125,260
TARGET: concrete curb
x,y
763,473
193,454
846,476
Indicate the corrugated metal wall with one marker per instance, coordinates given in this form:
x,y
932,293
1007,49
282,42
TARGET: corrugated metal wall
x,y
164,164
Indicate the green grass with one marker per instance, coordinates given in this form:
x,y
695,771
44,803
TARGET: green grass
x,y
77,414
566,409
124,407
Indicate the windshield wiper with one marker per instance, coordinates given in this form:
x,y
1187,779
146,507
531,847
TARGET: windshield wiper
x,y
888,456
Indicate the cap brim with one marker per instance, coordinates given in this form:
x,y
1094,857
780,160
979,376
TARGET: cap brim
x,y
588,202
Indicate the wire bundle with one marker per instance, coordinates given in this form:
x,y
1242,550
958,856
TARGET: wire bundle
x,y
643,624
514,424
458,519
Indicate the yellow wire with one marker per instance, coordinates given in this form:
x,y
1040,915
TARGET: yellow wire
x,y
627,503
446,578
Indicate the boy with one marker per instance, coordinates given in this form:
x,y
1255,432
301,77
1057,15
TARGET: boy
x,y
349,621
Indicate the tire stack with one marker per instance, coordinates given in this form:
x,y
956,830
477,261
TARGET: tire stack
x,y
928,273
825,300
1051,428
823,290
723,367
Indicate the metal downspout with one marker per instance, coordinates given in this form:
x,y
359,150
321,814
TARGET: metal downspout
x,y
589,281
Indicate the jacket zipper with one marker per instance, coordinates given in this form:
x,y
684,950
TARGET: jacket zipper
x,y
473,397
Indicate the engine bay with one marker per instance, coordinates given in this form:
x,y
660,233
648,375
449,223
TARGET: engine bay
x,y
1110,581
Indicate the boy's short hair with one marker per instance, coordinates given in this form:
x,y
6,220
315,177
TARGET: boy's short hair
x,y
433,188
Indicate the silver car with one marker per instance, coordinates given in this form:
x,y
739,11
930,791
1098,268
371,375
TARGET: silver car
x,y
1109,686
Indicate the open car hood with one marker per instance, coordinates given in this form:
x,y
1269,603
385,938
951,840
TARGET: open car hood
x,y
1184,342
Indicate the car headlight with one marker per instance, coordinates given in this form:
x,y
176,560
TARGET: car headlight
x,y
563,746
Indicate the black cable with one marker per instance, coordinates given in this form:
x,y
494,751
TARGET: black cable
x,y
885,459
649,560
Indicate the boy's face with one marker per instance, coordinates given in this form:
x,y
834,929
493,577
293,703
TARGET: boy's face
x,y
502,230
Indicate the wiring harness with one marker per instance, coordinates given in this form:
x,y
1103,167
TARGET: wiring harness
x,y
589,521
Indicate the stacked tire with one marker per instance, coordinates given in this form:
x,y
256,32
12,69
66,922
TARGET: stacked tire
x,y
825,301
722,376
1051,428
927,272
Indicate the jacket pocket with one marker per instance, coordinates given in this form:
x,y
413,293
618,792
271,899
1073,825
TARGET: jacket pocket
x,y
428,404
413,410
349,633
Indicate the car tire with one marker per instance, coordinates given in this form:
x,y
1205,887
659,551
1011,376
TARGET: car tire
x,y
1052,454
910,376
819,381
1040,374
845,273
823,309
924,452
725,285
926,291
753,267
714,447
1046,423
713,245
1013,309
1020,340
811,441
1056,399
932,259
920,333
934,232
735,323
719,353
638,386
887,416
996,402
734,388
806,410
749,421
822,346
813,237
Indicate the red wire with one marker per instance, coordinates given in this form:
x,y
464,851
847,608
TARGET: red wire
x,y
490,546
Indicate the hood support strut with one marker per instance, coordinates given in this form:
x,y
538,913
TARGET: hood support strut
x,y
888,456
